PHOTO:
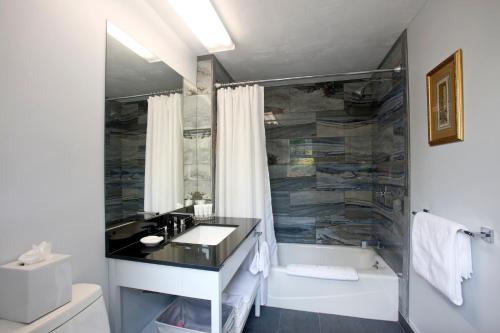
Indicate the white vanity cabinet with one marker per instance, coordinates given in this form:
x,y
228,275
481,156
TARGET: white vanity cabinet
x,y
177,280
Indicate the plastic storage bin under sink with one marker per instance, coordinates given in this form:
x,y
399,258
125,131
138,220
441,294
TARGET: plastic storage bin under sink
x,y
191,315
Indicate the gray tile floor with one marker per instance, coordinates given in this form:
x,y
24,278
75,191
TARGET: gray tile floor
x,y
275,320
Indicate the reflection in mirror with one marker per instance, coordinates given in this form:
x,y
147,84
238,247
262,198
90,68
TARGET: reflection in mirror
x,y
144,131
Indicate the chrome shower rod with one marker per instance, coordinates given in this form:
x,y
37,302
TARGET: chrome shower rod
x,y
144,95
397,69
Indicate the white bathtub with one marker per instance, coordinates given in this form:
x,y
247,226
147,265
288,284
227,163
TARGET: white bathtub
x,y
373,296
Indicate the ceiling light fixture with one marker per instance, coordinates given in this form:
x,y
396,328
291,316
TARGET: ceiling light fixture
x,y
201,17
129,42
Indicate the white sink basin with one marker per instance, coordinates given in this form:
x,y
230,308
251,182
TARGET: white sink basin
x,y
205,235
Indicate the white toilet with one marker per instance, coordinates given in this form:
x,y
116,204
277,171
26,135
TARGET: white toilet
x,y
85,313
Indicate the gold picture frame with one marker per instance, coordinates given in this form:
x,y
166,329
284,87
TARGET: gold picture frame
x,y
445,114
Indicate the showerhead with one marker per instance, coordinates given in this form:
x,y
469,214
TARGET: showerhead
x,y
360,92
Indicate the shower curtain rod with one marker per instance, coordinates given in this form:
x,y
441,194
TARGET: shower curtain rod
x,y
397,69
148,94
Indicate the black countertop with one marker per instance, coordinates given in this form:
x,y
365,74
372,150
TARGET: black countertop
x,y
122,242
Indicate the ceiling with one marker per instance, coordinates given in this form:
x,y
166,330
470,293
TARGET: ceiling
x,y
281,38
129,74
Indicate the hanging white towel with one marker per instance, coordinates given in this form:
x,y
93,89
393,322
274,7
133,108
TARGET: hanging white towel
x,y
323,272
254,266
441,254
261,261
264,260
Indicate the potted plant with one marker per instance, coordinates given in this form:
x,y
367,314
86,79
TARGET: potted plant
x,y
198,197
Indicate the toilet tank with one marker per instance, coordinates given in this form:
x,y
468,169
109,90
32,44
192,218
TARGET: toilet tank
x,y
84,314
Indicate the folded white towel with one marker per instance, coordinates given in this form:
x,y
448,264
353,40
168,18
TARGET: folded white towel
x,y
254,266
242,285
239,294
323,272
240,307
441,254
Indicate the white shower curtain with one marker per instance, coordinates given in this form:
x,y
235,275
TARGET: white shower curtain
x,y
242,187
164,173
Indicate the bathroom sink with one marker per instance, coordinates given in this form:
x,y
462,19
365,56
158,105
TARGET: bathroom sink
x,y
205,235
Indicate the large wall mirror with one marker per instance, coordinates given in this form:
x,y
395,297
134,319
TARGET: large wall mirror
x,y
144,131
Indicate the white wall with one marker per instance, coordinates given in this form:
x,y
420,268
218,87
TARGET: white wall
x,y
459,181
52,57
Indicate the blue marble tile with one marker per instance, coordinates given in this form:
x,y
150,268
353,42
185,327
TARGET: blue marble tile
x,y
277,99
316,97
293,184
389,153
338,230
300,149
301,170
311,197
358,149
316,209
280,202
278,151
336,129
295,229
359,143
328,149
281,119
293,131
392,106
344,176
125,136
278,171
340,117
360,198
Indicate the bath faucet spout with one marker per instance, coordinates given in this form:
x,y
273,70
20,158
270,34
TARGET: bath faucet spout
x,y
371,242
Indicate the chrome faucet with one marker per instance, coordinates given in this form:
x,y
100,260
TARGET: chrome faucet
x,y
371,242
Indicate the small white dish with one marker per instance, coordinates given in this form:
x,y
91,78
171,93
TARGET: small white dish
x,y
151,240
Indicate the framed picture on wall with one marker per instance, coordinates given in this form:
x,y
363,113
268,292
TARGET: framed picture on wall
x,y
445,101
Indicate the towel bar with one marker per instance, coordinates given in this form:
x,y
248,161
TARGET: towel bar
x,y
486,234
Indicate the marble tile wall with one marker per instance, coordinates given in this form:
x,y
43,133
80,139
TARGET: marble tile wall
x,y
338,163
390,180
125,151
319,146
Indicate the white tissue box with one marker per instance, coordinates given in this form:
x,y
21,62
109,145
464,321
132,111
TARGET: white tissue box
x,y
31,291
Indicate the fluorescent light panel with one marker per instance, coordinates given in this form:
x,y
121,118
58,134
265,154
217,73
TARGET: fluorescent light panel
x,y
202,19
129,42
